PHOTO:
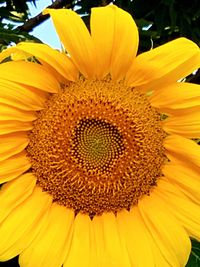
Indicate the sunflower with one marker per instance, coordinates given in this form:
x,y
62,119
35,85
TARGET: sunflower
x,y
97,160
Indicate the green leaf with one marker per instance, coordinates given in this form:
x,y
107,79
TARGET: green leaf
x,y
194,260
9,36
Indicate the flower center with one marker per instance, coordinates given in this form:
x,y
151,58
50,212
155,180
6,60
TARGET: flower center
x,y
97,146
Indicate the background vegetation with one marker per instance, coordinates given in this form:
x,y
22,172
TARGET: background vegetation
x,y
158,21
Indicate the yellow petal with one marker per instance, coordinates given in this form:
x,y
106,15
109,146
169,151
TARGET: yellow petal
x,y
49,248
12,53
186,124
176,96
80,244
20,55
125,43
110,250
166,231
169,62
22,225
138,239
102,37
15,192
174,159
8,113
16,54
187,212
21,97
7,127
76,39
6,54
159,259
98,243
185,178
134,232
182,148
28,73
116,42
178,73
59,61
12,144
13,167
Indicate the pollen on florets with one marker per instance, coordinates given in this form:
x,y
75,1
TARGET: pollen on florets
x,y
97,146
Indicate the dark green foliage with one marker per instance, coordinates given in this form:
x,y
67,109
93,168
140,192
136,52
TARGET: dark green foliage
x,y
10,34
12,12
194,260
170,19
11,263
19,6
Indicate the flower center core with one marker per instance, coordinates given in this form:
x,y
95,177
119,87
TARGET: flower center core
x,y
97,146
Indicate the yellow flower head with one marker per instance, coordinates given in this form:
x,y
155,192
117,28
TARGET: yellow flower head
x,y
96,157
